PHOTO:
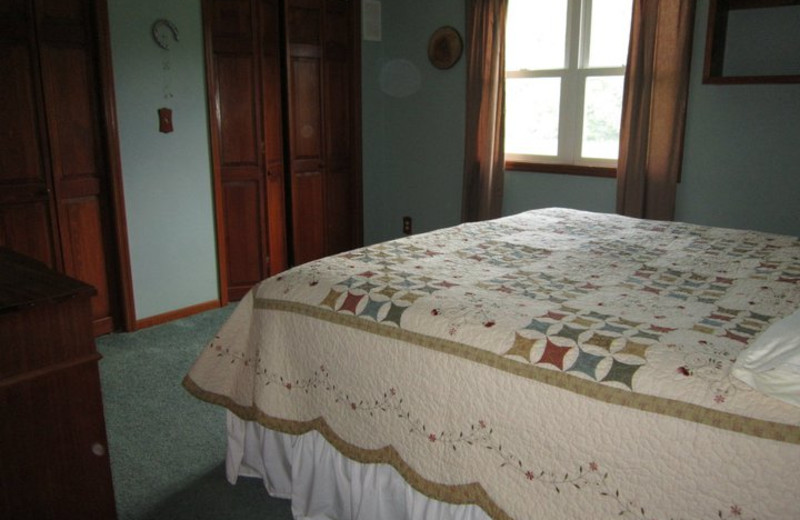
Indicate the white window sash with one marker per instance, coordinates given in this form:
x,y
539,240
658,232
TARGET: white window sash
x,y
573,83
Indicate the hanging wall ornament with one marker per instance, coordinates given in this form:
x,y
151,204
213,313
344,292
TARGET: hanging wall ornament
x,y
445,47
162,30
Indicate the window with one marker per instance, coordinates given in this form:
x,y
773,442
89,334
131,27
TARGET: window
x,y
565,66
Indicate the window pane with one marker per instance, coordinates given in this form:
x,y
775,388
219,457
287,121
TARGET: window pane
x,y
611,25
536,34
602,111
532,115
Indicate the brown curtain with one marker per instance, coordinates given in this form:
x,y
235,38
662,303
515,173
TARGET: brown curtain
x,y
654,108
482,197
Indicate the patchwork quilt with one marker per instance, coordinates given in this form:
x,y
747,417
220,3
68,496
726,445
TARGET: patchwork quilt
x,y
551,364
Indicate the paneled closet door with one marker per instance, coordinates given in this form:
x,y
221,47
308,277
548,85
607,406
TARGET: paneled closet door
x,y
322,83
282,81
343,176
272,117
55,168
26,203
80,170
242,46
304,25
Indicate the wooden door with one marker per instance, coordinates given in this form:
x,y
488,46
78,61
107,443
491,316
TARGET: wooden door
x,y
283,95
341,77
79,167
322,84
243,66
27,207
272,117
55,163
306,147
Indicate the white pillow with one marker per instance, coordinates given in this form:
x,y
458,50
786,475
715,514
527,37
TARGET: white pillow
x,y
771,364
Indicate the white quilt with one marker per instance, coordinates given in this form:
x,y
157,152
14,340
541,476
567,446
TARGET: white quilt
x,y
553,364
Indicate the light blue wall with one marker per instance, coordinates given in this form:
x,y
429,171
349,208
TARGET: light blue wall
x,y
741,163
526,190
413,145
166,177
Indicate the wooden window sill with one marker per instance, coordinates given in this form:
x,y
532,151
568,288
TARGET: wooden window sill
x,y
567,169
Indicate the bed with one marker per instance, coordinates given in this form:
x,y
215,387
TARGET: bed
x,y
551,364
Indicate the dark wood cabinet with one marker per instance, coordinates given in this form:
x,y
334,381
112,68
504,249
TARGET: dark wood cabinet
x,y
283,82
54,461
56,148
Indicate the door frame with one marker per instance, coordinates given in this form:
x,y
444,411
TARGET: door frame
x,y
213,132
119,250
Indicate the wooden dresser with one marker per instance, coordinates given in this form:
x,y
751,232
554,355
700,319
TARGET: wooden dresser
x,y
54,461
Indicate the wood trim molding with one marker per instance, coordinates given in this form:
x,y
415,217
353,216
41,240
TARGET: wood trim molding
x,y
213,122
177,314
358,164
568,169
124,279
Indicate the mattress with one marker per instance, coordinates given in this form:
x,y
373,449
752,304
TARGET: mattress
x,y
551,364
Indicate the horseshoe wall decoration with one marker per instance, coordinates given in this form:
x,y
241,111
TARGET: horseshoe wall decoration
x,y
161,28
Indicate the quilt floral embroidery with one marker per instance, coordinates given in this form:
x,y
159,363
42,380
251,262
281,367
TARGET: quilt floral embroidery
x,y
587,477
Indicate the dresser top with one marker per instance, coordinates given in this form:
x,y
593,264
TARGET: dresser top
x,y
25,282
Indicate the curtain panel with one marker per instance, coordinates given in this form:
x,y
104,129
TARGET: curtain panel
x,y
654,108
482,196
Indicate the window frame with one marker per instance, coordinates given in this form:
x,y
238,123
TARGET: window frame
x,y
573,88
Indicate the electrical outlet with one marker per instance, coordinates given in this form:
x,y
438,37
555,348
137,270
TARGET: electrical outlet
x,y
407,225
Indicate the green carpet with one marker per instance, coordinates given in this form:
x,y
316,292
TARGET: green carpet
x,y
168,448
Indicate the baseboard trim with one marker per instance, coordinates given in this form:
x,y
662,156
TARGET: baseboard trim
x,y
177,314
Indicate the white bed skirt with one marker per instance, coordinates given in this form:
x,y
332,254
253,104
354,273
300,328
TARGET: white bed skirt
x,y
324,484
